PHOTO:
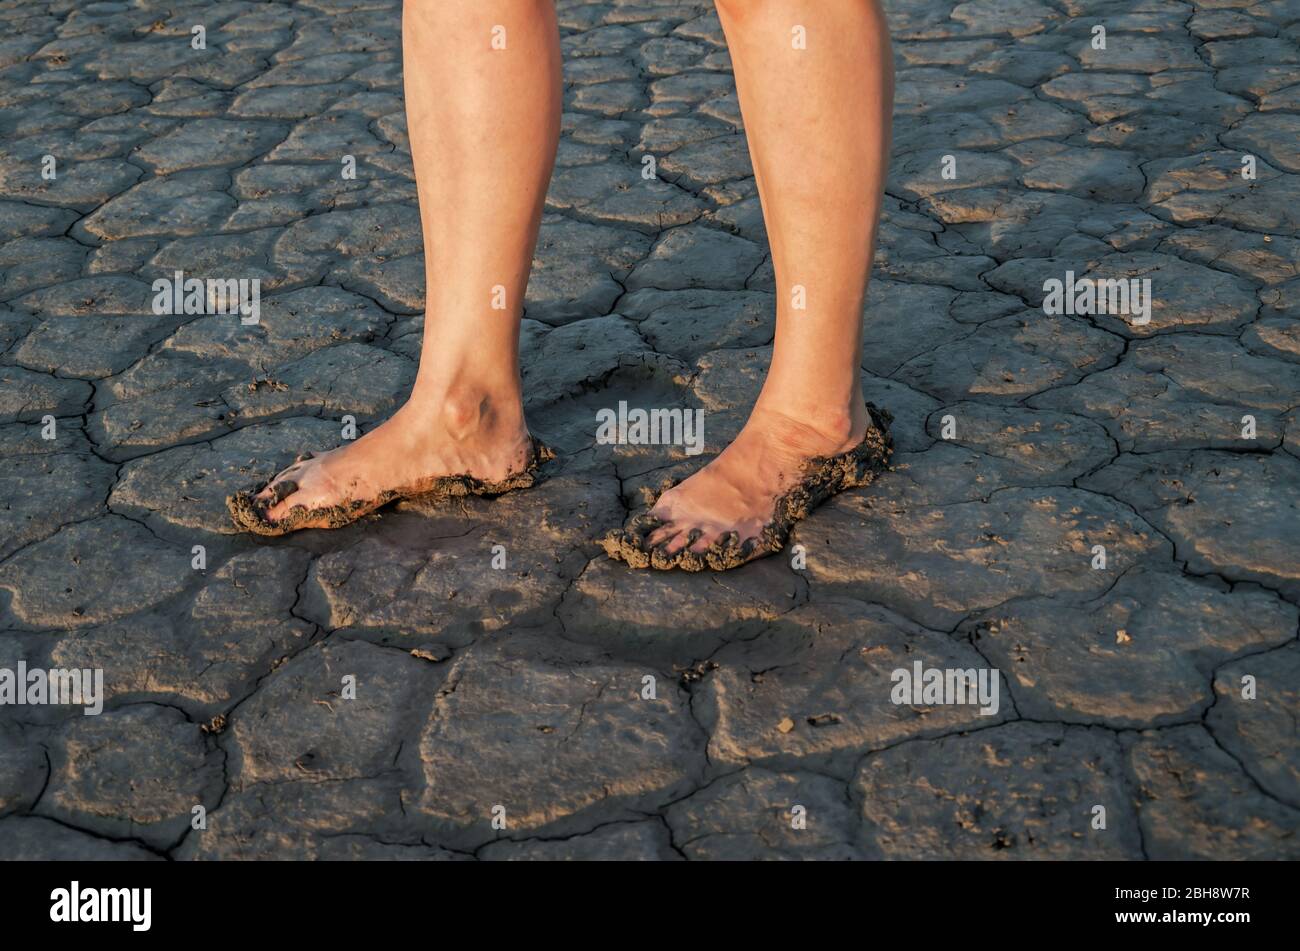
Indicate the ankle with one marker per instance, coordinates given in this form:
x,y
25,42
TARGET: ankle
x,y
463,411
837,426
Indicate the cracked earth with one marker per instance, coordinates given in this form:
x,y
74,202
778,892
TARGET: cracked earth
x,y
523,687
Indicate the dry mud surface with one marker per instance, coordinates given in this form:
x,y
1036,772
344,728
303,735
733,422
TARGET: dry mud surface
x,y
521,691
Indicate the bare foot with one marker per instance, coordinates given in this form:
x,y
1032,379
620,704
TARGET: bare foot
x,y
738,491
412,449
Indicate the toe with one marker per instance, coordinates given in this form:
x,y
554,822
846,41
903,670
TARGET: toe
x,y
271,499
729,545
701,540
643,524
661,535
281,499
681,540
669,544
296,474
269,492
279,510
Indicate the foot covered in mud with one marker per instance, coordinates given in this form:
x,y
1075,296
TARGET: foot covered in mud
x,y
306,495
675,533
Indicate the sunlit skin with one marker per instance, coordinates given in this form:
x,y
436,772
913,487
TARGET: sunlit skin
x,y
484,126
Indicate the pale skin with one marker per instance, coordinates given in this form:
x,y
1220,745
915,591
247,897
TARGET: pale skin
x,y
484,126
